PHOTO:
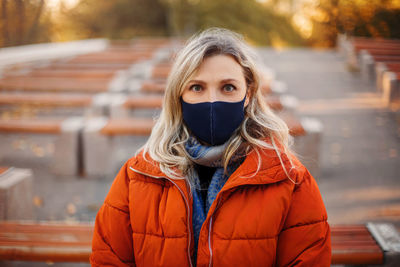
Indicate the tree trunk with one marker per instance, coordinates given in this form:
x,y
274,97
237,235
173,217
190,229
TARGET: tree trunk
x,y
33,29
21,21
5,22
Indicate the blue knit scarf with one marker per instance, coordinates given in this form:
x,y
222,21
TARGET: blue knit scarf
x,y
210,156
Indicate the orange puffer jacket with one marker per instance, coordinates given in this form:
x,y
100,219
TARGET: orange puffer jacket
x,y
264,220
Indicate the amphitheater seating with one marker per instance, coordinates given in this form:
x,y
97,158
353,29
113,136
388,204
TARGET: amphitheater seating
x,y
109,142
52,143
45,84
107,84
149,105
60,105
378,61
44,241
16,193
352,245
72,73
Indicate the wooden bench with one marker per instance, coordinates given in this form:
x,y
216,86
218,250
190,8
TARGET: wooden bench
x,y
371,56
140,44
391,88
16,193
370,244
113,57
161,71
31,126
153,86
385,58
60,105
77,84
44,84
120,52
368,42
381,68
381,49
117,54
143,126
131,127
71,73
375,46
54,143
45,241
151,41
59,242
87,66
368,60
46,99
134,49
149,105
378,49
392,66
388,66
143,101
108,142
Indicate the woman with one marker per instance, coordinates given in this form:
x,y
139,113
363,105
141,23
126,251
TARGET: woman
x,y
216,183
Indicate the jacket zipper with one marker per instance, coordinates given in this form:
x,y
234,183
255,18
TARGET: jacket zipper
x,y
209,241
209,233
187,206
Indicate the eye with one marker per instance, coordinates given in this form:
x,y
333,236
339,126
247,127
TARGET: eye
x,y
195,88
229,88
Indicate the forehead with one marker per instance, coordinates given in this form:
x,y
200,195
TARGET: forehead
x,y
219,66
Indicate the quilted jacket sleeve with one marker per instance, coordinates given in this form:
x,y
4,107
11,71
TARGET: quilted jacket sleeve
x,y
112,239
305,239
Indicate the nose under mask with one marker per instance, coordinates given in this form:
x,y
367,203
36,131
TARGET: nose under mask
x,y
213,122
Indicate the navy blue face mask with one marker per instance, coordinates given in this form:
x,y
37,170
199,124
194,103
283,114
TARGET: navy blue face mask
x,y
213,122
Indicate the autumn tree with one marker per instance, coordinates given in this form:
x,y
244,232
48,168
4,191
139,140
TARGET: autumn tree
x,y
24,22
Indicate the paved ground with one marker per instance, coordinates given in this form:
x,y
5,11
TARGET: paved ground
x,y
360,168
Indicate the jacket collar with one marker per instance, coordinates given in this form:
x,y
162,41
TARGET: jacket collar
x,y
270,169
149,167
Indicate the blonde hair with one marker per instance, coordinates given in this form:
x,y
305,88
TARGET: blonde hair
x,y
166,144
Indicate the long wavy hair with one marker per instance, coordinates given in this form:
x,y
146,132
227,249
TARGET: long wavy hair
x,y
166,144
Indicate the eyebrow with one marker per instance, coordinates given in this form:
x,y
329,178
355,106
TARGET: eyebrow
x,y
222,81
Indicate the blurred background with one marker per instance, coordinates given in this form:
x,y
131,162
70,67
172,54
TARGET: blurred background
x,y
313,23
81,82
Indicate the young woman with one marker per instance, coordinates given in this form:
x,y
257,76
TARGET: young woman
x,y
216,183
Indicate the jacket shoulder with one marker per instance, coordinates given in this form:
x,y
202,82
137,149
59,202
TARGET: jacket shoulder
x,y
117,196
305,236
136,168
307,204
144,168
285,164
